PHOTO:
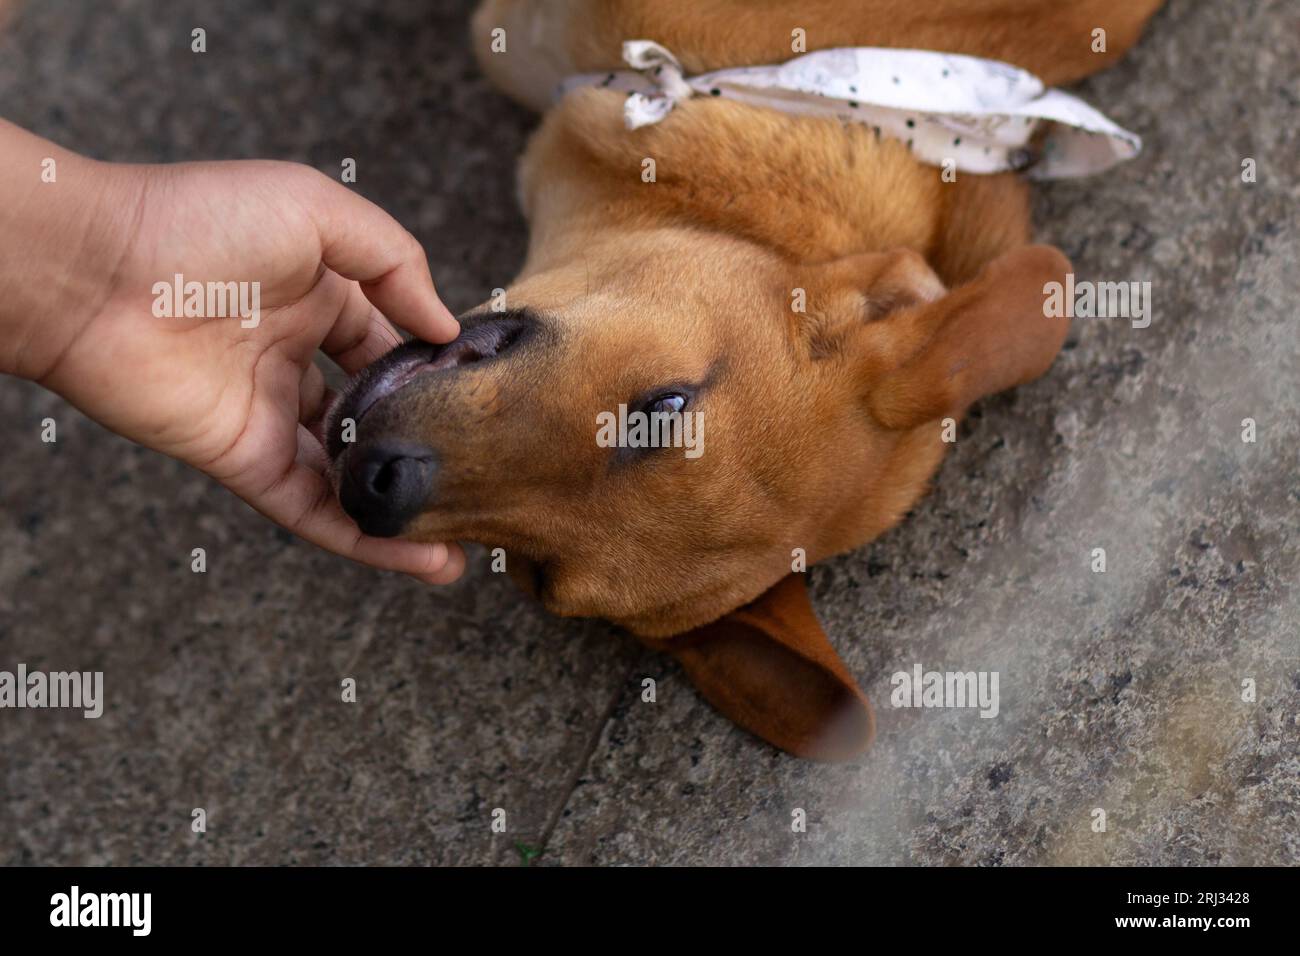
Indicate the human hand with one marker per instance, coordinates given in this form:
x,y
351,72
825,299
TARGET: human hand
x,y
233,396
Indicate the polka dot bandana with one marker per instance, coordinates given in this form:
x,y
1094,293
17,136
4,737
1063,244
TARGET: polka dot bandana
x,y
967,113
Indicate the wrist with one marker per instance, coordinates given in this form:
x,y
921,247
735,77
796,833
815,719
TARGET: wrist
x,y
66,224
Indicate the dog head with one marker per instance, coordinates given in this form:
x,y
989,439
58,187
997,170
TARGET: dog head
x,y
817,394
820,394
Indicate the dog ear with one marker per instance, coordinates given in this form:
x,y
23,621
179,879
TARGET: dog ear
x,y
770,668
934,359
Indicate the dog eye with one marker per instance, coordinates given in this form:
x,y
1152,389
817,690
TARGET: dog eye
x,y
667,404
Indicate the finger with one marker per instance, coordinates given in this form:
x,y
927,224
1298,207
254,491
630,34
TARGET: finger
x,y
311,451
451,570
362,242
311,393
360,334
316,424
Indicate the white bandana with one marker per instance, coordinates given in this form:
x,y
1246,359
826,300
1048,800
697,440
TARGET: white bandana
x,y
984,116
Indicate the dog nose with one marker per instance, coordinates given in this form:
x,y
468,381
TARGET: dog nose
x,y
385,484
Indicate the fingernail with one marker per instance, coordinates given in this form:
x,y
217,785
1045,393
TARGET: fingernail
x,y
440,554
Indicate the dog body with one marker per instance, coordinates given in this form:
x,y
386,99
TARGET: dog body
x,y
825,422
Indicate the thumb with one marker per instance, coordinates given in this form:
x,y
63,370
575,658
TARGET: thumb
x,y
362,242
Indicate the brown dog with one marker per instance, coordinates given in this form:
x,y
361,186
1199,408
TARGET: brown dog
x,y
824,426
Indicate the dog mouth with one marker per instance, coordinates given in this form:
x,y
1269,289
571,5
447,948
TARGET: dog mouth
x,y
484,340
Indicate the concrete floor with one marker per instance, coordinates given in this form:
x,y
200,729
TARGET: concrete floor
x,y
1119,691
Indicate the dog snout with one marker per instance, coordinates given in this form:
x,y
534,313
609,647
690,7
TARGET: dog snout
x,y
385,484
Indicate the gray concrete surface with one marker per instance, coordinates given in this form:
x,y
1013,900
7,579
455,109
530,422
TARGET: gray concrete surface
x,y
1119,691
